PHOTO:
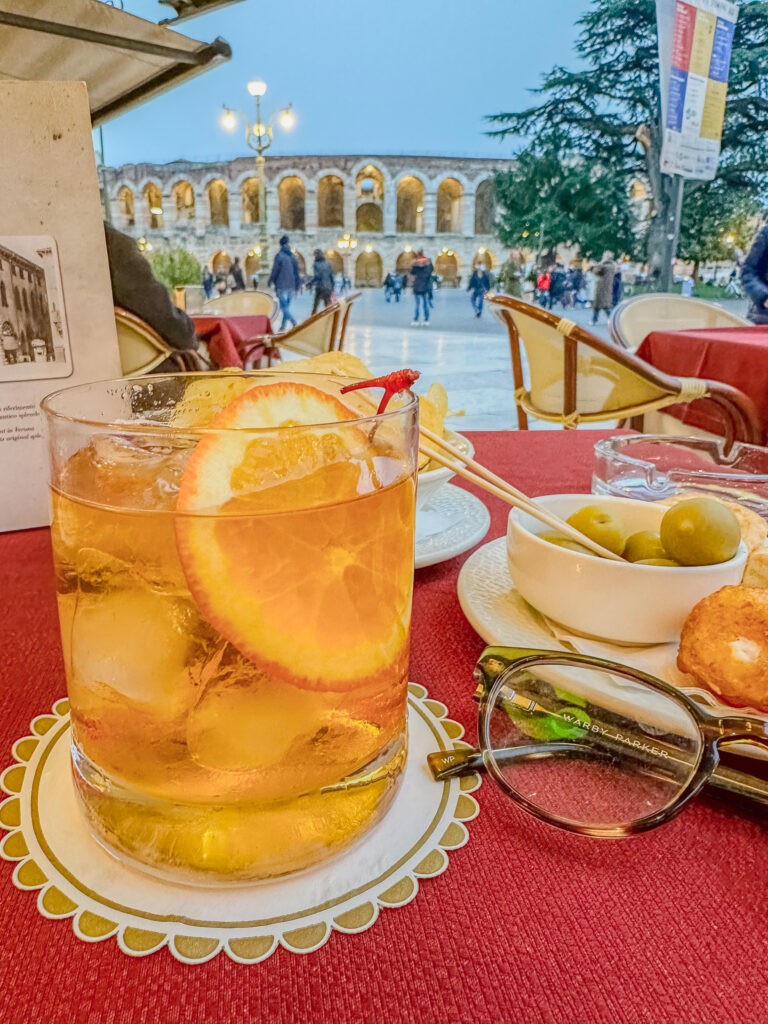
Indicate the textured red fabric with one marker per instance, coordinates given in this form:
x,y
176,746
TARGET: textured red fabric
x,y
732,355
528,924
228,337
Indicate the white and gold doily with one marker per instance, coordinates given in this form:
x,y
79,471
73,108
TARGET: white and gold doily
x,y
76,878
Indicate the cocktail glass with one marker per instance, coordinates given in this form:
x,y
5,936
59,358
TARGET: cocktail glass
x,y
234,595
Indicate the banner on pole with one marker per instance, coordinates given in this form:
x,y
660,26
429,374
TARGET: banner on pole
x,y
695,43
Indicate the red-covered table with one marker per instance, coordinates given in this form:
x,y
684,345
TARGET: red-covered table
x,y
230,339
528,924
732,355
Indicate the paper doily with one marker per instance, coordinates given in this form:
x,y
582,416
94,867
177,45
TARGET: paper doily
x,y
76,878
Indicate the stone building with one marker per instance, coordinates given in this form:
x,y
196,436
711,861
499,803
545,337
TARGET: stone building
x,y
368,213
24,315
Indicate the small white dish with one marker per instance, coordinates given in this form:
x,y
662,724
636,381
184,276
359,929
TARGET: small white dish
x,y
430,481
449,524
498,613
621,602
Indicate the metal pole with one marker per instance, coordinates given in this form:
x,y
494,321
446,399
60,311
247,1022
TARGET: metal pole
x,y
672,233
103,179
262,179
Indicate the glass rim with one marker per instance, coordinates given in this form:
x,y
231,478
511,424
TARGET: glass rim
x,y
153,427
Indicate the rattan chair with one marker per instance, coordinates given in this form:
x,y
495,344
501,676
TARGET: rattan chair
x,y
346,308
142,349
633,320
242,303
576,377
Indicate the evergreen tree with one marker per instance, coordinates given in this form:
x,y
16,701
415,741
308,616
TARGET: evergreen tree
x,y
610,110
175,267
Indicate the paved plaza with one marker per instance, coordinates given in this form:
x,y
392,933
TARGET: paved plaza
x,y
470,357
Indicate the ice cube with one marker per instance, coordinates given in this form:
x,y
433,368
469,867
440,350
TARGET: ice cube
x,y
138,643
247,725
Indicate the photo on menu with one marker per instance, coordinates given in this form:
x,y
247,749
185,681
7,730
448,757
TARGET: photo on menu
x,y
34,344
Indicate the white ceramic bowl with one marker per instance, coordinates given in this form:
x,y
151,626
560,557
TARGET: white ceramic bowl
x,y
620,602
430,481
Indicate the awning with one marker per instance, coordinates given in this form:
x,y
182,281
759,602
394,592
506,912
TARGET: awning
x,y
124,60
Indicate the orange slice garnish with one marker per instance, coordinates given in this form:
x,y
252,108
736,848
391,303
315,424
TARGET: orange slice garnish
x,y
294,545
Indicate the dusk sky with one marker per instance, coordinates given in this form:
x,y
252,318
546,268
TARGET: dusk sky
x,y
402,77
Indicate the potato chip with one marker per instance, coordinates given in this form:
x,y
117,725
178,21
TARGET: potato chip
x,y
338,364
438,396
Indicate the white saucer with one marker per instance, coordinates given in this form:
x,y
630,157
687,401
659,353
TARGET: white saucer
x,y
503,618
451,522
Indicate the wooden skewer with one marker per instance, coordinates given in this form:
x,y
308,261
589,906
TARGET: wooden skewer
x,y
479,475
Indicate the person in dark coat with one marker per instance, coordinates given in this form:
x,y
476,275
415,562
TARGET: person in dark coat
x,y
321,280
421,277
389,286
285,279
605,272
754,277
238,278
209,283
479,284
558,285
135,288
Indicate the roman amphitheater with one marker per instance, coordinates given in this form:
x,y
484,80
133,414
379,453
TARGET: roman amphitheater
x,y
369,214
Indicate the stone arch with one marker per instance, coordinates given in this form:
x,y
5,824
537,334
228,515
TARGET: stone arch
x,y
330,201
291,193
369,270
404,262
220,262
369,217
410,204
485,207
370,184
125,206
249,195
153,199
335,260
447,266
486,257
218,202
252,264
450,201
183,198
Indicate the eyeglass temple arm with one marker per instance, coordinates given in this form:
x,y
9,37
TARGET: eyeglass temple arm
x,y
450,764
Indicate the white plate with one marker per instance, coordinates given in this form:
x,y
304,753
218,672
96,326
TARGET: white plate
x,y
503,618
450,523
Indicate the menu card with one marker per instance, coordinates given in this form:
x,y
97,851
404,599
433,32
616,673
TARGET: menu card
x,y
57,323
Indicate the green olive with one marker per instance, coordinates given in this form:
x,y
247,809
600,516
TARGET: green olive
x,y
643,545
566,542
600,526
700,531
656,561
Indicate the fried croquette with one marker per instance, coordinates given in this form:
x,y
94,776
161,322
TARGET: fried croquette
x,y
724,645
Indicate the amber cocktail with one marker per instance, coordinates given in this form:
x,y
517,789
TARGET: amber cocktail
x,y
234,558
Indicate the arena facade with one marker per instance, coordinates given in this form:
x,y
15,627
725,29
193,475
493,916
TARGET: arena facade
x,y
368,213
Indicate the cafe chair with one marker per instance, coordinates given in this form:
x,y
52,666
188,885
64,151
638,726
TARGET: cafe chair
x,y
241,303
317,334
576,377
634,319
142,349
346,309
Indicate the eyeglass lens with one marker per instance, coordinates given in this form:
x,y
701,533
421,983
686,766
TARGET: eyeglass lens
x,y
590,747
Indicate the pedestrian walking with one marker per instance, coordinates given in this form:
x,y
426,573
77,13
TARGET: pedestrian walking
x,y
754,277
397,286
479,284
542,288
687,288
322,280
558,283
10,344
285,279
511,276
421,277
236,273
618,288
209,283
605,272
389,287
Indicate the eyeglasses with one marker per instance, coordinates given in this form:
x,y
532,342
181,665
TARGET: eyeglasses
x,y
595,747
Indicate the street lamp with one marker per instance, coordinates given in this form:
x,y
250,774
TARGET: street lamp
x,y
347,244
258,137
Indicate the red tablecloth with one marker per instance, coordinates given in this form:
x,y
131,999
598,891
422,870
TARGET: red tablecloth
x,y
732,355
528,924
228,337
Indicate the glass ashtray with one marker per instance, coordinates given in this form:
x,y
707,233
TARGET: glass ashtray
x,y
649,467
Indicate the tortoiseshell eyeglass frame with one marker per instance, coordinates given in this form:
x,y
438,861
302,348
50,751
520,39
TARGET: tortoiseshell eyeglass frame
x,y
495,670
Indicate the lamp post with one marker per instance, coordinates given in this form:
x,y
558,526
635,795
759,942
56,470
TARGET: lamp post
x,y
258,137
347,244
